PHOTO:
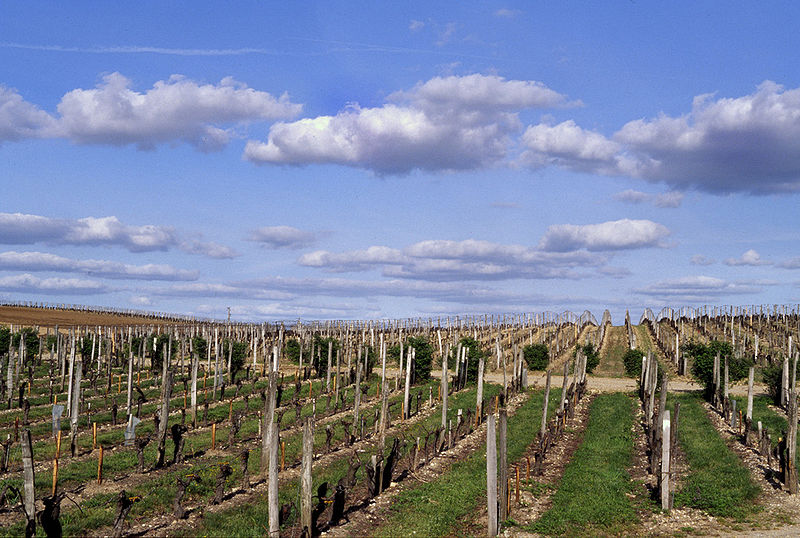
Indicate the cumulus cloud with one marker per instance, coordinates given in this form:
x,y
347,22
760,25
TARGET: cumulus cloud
x,y
670,199
613,235
208,248
177,109
791,263
20,119
446,260
445,123
699,259
282,237
750,257
42,261
746,144
24,229
174,110
695,289
27,283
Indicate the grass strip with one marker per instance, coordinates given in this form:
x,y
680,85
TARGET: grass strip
x,y
593,495
718,482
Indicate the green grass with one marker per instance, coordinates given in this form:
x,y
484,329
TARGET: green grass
x,y
718,482
593,494
438,507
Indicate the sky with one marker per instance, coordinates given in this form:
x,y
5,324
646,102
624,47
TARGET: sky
x,y
368,160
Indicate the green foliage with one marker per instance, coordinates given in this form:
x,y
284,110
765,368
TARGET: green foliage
x,y
423,357
320,359
50,342
200,347
633,362
157,355
592,357
237,352
5,340
537,356
473,357
772,379
593,498
31,339
702,356
292,350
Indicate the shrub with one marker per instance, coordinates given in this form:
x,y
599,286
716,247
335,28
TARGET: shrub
x,y
423,358
320,358
591,354
5,340
199,347
238,352
772,378
537,356
292,351
633,362
702,356
473,357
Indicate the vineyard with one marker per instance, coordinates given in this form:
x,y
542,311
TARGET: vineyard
x,y
129,424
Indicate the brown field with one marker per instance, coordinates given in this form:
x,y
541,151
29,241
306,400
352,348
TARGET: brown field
x,y
19,315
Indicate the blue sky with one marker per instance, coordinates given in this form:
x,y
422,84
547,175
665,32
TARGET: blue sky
x,y
372,160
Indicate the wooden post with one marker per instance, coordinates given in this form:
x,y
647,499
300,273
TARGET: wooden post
x,y
791,444
491,474
283,455
665,461
305,480
213,436
29,502
100,466
503,464
564,387
272,491
94,435
543,427
55,477
479,397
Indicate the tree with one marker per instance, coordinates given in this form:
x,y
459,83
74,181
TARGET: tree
x,y
200,347
537,356
238,352
320,358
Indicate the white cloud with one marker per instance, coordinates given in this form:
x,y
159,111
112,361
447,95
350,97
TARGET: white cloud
x,y
416,25
791,263
669,199
446,123
20,119
507,13
695,289
570,146
208,248
631,196
750,257
27,283
746,144
613,235
19,228
358,260
286,237
445,260
699,259
23,229
177,109
42,261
